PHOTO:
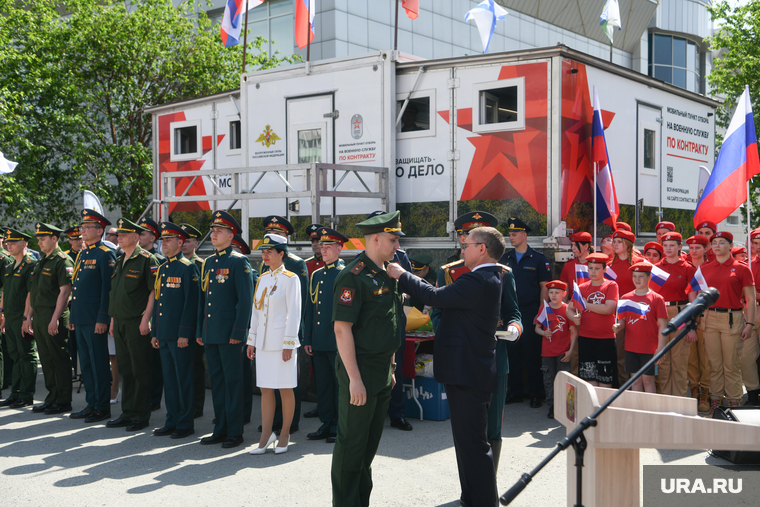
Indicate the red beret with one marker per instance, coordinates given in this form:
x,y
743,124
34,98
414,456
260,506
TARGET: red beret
x,y
738,250
672,236
582,237
754,234
665,225
625,235
557,284
597,258
607,236
723,234
697,240
641,267
655,245
622,225
709,224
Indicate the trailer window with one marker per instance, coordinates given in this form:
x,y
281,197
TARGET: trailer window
x,y
235,140
500,105
416,115
186,140
310,146
650,136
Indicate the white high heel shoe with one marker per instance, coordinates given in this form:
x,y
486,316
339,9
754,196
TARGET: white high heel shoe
x,y
262,450
282,450
117,399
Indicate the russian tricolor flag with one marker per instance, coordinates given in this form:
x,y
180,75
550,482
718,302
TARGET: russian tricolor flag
x,y
737,162
233,20
412,8
627,308
578,301
581,272
305,10
609,274
659,277
607,209
547,316
697,282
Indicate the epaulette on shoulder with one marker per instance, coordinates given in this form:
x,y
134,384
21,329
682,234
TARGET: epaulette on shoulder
x,y
105,248
145,253
452,264
287,273
503,267
185,261
309,259
340,267
358,268
62,255
235,253
67,252
28,260
294,257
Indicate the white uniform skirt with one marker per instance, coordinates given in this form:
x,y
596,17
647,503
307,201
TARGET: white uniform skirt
x,y
274,373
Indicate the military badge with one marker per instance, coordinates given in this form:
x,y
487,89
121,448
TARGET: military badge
x,y
346,296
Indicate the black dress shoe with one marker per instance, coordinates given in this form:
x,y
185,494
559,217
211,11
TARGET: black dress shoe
x,y
183,433
331,439
118,423
197,414
98,415
82,414
7,402
155,407
320,434
312,413
550,415
58,408
137,425
535,403
41,408
401,424
162,432
513,398
213,439
20,403
230,442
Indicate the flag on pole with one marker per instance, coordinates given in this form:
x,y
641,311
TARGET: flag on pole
x,y
607,202
578,301
627,308
232,21
610,18
581,272
412,8
6,166
547,316
697,282
659,276
91,201
305,11
609,274
485,15
736,164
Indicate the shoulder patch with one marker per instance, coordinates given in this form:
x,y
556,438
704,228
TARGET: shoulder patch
x,y
104,248
289,274
145,253
28,260
184,261
346,296
453,264
358,268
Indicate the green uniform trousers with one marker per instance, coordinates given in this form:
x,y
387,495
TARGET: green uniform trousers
x,y
54,355
327,389
6,363
225,368
496,409
359,432
21,351
199,380
177,368
134,354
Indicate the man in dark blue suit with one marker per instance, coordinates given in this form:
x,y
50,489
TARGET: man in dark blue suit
x,y
465,354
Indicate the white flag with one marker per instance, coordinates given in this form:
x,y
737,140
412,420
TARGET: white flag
x,y
92,202
6,166
610,18
485,15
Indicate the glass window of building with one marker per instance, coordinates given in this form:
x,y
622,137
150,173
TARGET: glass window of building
x,y
675,60
273,20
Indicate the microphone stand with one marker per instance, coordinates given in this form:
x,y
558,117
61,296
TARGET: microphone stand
x,y
576,439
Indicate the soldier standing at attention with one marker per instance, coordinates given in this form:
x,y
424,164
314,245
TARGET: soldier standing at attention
x,y
199,365
89,316
315,261
148,238
223,318
131,307
175,314
366,312
16,281
48,318
6,365
319,333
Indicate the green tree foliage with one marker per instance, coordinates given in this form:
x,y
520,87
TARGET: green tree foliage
x,y
73,88
738,39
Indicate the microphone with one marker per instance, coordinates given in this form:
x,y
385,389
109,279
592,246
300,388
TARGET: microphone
x,y
704,300
515,490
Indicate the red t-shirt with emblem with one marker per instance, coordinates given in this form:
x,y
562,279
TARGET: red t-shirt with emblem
x,y
568,274
681,273
641,333
560,326
729,278
595,325
624,277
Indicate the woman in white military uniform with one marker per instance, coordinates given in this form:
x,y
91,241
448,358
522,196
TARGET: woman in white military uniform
x,y
273,340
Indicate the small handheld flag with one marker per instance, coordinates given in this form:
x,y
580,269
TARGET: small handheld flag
x,y
581,272
631,309
485,15
609,274
697,282
578,300
546,316
659,277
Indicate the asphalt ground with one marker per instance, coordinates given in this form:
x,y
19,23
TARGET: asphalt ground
x,y
57,461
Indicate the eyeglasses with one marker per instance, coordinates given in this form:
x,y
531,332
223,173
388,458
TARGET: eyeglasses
x,y
88,227
465,245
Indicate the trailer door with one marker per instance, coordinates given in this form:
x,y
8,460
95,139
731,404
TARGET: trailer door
x,y
649,157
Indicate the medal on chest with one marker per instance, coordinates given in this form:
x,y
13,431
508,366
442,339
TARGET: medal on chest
x,y
222,275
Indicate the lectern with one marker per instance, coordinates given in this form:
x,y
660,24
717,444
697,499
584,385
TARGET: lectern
x,y
634,421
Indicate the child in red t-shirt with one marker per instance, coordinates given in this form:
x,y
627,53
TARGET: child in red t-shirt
x,y
642,313
558,340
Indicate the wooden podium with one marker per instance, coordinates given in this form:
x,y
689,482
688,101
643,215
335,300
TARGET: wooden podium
x,y
634,421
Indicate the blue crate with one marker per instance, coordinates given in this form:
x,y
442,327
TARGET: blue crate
x,y
432,397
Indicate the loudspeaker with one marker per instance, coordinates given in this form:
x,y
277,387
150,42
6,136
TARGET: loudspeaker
x,y
745,415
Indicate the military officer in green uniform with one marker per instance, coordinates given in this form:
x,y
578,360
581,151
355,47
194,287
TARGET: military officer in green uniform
x,y
421,268
175,314
199,365
16,279
224,317
89,316
131,308
6,365
319,333
48,318
74,237
148,237
366,314
274,224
